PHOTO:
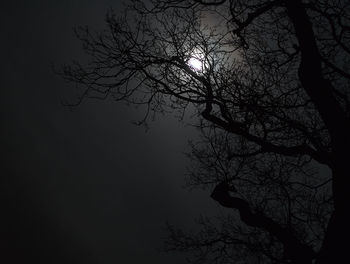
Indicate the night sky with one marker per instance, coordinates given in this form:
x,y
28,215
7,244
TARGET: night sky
x,y
81,186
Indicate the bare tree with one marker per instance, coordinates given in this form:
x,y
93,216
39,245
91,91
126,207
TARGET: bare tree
x,y
269,81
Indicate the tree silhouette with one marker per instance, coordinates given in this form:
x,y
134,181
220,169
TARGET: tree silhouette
x,y
269,83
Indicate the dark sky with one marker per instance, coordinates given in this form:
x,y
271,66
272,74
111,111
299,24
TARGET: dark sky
x,y
85,186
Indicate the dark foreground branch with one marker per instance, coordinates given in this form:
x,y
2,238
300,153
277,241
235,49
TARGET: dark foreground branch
x,y
293,248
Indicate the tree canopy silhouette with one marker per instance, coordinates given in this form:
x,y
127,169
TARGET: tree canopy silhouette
x,y
269,82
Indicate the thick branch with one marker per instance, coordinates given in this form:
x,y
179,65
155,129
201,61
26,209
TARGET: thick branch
x,y
266,146
210,3
310,71
251,16
294,250
241,25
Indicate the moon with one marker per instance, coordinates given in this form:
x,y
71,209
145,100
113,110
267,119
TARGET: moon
x,y
197,60
196,64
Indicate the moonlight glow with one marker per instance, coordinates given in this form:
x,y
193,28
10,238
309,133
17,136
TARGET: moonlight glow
x,y
197,61
196,64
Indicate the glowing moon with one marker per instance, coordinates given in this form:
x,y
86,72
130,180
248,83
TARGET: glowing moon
x,y
196,64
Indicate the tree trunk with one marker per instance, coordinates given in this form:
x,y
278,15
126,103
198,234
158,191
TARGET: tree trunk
x,y
320,91
335,245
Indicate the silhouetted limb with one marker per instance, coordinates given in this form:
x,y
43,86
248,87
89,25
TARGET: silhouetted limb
x,y
293,249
